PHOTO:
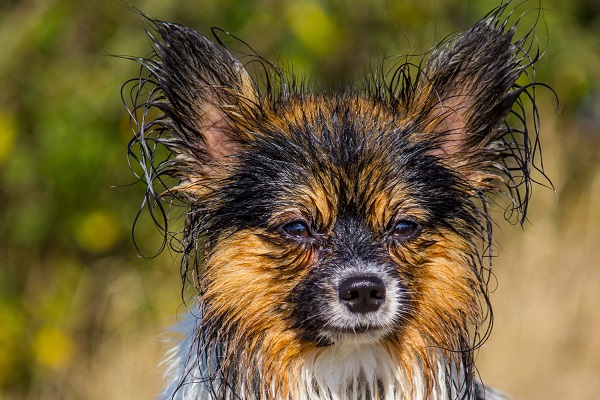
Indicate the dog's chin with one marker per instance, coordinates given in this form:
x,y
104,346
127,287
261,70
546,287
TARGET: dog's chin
x,y
356,335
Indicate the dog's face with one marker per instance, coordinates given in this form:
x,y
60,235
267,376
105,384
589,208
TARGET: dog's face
x,y
337,224
349,220
332,224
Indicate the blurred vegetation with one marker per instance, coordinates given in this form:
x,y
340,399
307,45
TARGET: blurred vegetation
x,y
81,312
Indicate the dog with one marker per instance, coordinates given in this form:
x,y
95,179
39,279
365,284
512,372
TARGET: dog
x,y
340,244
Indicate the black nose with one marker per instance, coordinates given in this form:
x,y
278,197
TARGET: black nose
x,y
362,294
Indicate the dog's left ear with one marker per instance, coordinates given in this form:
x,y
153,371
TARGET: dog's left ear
x,y
464,94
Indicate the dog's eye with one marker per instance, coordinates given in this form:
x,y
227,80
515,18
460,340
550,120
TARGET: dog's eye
x,y
405,229
297,229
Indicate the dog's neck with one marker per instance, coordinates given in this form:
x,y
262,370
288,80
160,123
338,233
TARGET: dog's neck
x,y
369,371
356,371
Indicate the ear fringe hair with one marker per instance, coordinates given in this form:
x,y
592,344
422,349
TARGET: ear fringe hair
x,y
521,157
158,132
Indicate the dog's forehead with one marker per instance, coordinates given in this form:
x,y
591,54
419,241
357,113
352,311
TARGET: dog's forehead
x,y
348,131
361,200
348,155
339,114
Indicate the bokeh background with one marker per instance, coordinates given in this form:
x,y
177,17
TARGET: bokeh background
x,y
83,316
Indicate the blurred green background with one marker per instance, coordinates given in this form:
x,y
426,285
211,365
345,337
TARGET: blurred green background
x,y
82,315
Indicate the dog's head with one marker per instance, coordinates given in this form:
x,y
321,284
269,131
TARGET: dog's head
x,y
346,220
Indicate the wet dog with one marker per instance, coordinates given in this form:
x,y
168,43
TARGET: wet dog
x,y
339,243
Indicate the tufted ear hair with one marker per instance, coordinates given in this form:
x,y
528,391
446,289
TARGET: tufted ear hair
x,y
464,94
204,94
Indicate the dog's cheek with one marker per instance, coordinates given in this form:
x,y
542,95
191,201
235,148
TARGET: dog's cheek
x,y
247,280
443,282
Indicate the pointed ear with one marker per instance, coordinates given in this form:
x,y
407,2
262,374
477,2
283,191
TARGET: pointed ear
x,y
205,95
464,94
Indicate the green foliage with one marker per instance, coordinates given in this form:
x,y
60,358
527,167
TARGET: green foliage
x,y
66,206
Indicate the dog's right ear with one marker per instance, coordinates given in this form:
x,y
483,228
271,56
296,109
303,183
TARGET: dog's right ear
x,y
204,94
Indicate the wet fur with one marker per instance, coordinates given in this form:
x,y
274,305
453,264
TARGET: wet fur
x,y
426,144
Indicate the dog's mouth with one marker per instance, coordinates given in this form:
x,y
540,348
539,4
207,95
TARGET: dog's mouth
x,y
360,329
367,330
355,335
352,329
